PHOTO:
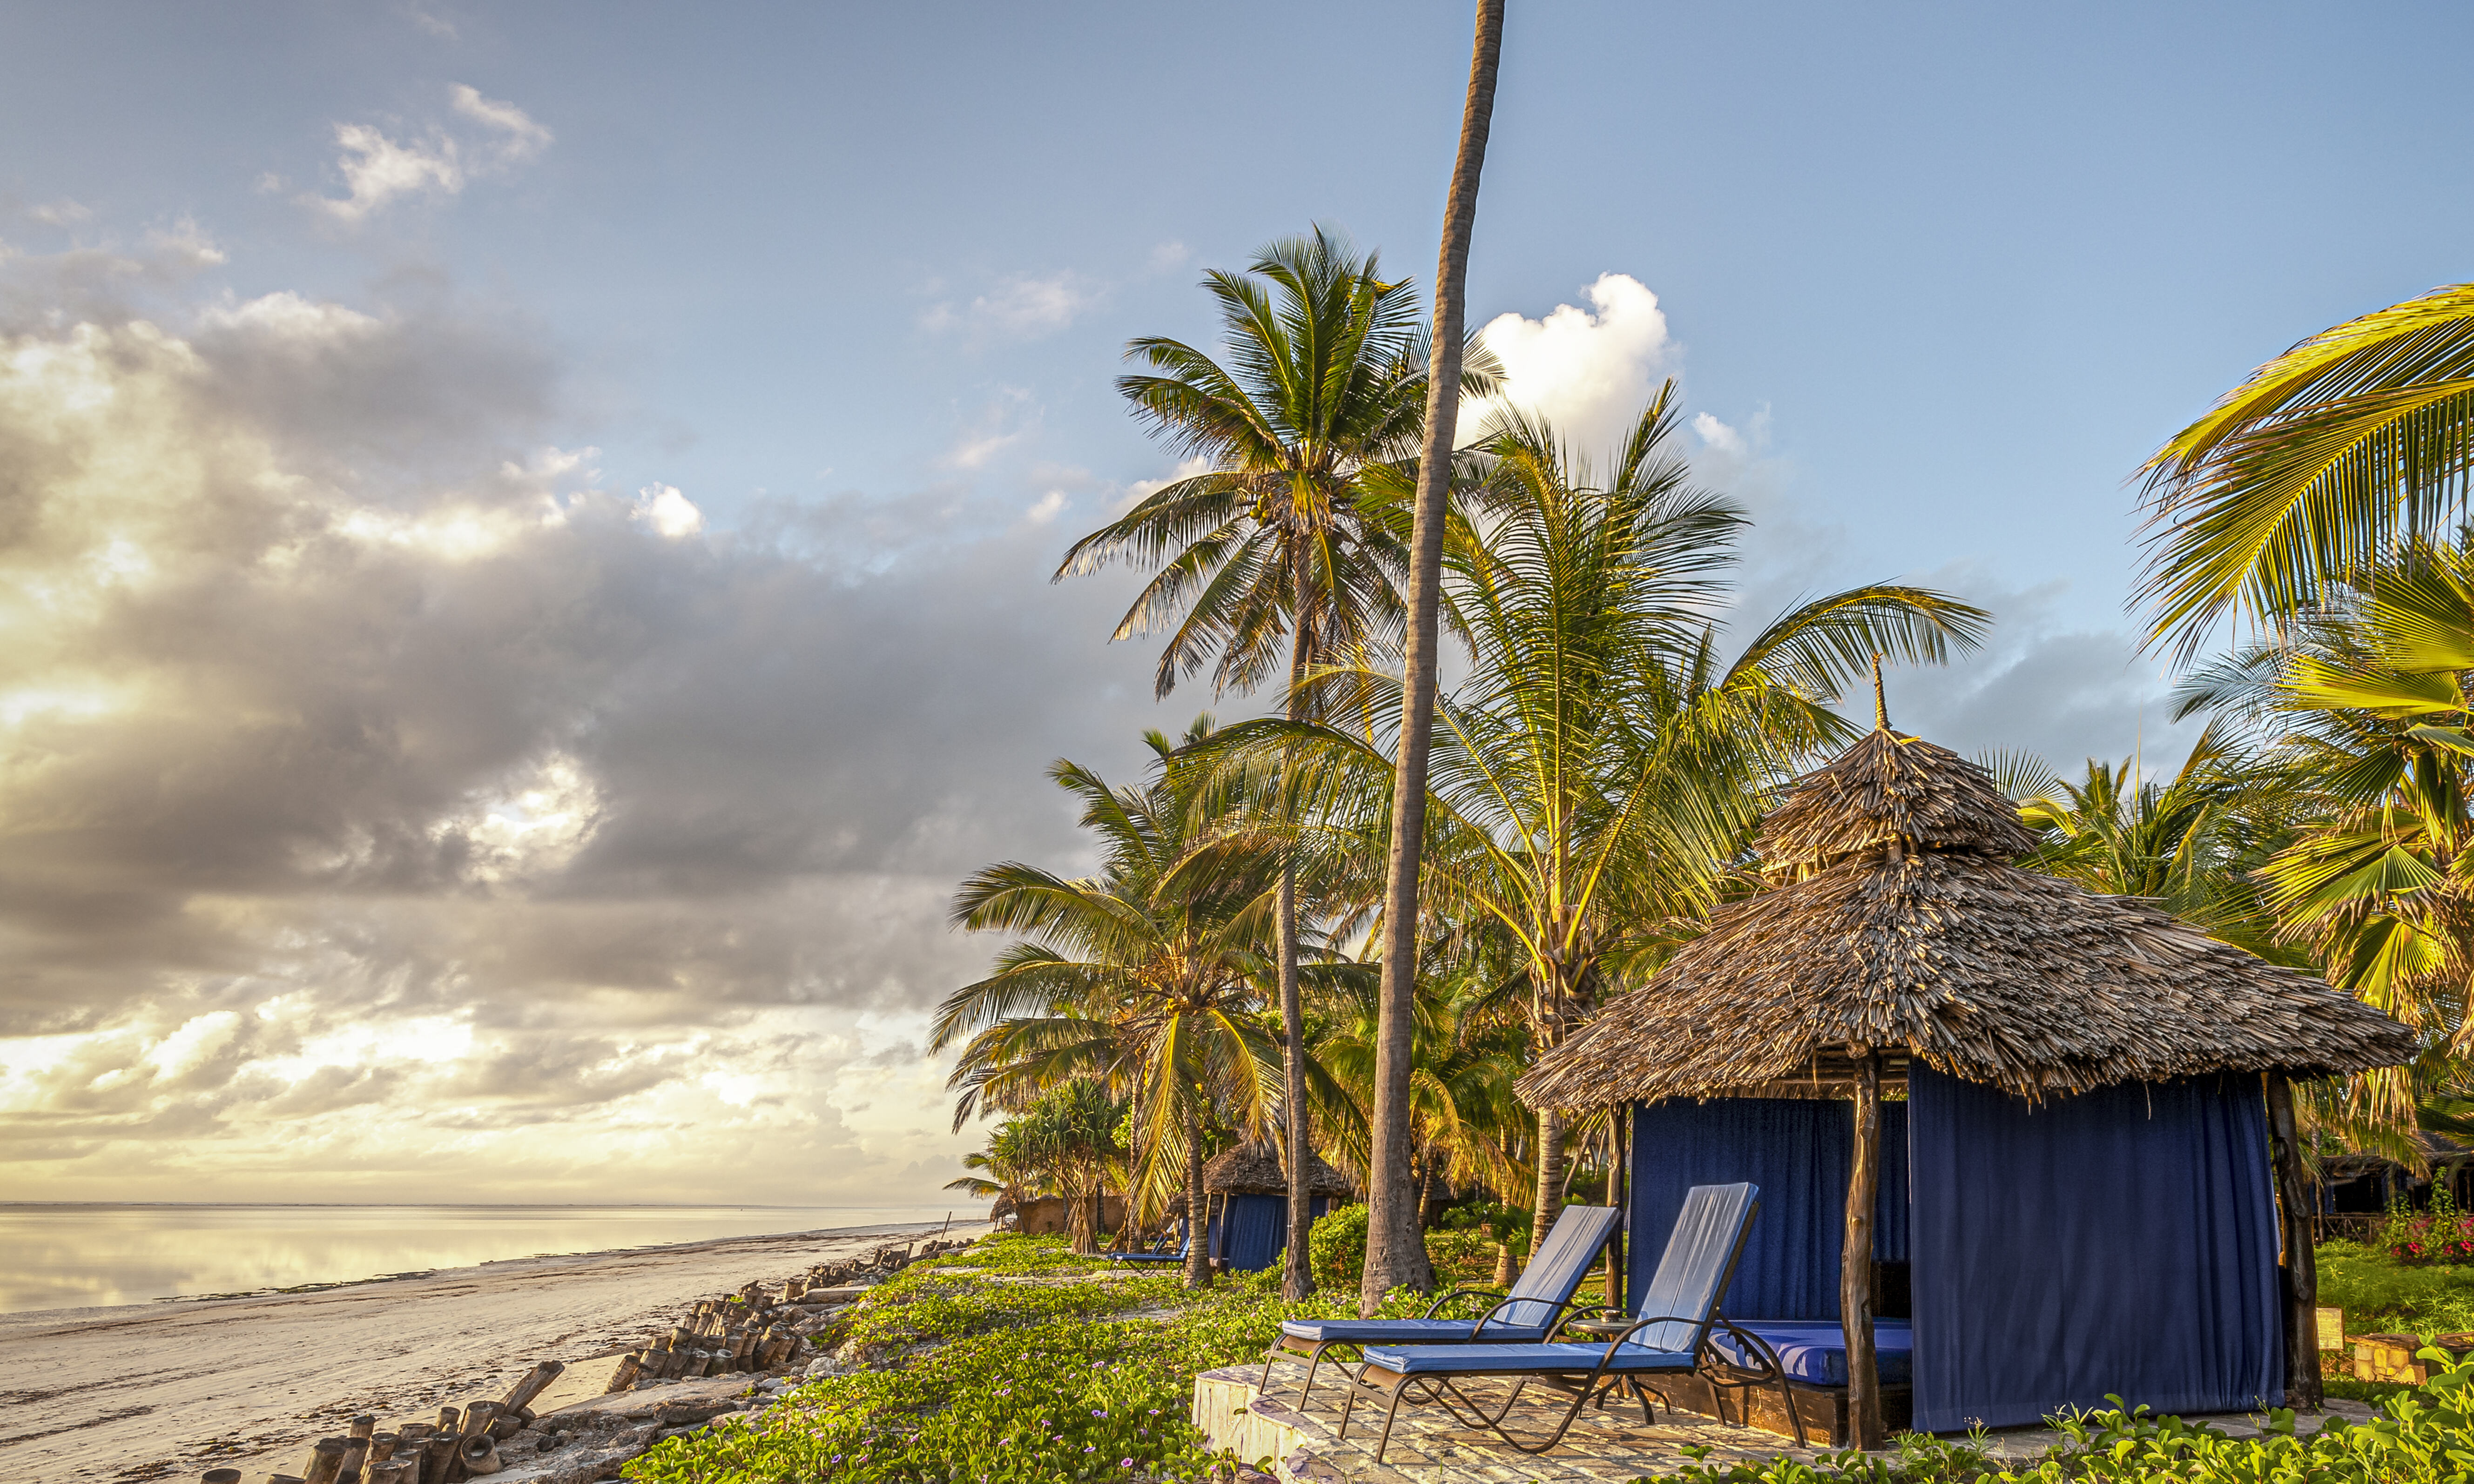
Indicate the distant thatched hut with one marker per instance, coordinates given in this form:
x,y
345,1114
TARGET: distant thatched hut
x,y
2081,1195
1249,1223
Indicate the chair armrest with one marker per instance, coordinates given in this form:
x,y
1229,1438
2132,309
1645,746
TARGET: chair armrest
x,y
1554,1313
1437,1307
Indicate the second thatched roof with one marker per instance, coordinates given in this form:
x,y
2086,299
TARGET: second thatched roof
x,y
1254,1169
1902,928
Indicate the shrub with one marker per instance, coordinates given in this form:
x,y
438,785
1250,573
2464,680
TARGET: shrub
x,y
1336,1248
1462,1259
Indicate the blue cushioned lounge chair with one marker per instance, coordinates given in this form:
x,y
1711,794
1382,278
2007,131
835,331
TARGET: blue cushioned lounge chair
x,y
1528,1314
1160,1254
1670,1338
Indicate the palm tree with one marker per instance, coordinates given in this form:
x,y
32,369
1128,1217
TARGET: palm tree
x,y
1145,977
2191,842
1596,778
2366,713
1290,538
1396,1249
2313,471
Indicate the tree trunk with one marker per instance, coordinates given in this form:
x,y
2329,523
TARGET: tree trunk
x,y
1619,1181
2302,1388
1547,1202
1198,1213
1395,1249
1864,1426
1296,1273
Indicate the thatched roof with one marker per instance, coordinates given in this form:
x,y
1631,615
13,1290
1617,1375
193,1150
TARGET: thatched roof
x,y
1255,1169
1902,928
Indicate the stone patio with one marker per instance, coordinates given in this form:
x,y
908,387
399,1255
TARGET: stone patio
x,y
1427,1447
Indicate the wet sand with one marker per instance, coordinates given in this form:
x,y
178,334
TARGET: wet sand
x,y
168,1390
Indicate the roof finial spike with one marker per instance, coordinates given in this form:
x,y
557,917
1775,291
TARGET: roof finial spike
x,y
1881,706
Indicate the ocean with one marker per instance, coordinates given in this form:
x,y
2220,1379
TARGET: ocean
x,y
63,1256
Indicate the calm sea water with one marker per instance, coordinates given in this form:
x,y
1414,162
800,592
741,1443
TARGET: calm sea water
x,y
66,1255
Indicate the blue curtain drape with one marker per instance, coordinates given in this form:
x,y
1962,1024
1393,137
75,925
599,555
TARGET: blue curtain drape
x,y
1799,1151
2123,1241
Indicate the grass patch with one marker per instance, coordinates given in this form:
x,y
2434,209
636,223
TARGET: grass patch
x,y
2381,1294
1025,1382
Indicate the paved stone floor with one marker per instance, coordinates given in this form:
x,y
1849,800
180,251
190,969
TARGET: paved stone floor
x,y
1428,1449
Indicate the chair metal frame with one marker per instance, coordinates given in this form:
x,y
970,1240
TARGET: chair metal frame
x,y
1606,1377
1314,1350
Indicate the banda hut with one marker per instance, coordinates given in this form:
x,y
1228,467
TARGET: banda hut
x,y
2032,1139
1249,1219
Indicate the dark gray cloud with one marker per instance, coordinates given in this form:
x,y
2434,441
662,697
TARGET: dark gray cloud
x,y
376,774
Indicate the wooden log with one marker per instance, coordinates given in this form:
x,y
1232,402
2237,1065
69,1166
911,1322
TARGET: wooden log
x,y
363,1428
285,1478
395,1470
535,1381
221,1476
1855,1257
326,1461
477,1416
2301,1269
383,1445
480,1454
630,1366
449,1420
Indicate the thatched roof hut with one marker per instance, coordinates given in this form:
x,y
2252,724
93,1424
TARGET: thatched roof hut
x,y
2089,1185
1254,1169
1898,925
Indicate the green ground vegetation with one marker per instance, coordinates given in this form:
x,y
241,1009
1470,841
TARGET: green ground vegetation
x,y
1016,1362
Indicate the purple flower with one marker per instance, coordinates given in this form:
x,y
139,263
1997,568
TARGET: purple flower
x,y
1124,1463
1096,1412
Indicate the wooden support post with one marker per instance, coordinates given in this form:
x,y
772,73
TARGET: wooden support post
x,y
1856,1258
2301,1272
1618,1186
221,1477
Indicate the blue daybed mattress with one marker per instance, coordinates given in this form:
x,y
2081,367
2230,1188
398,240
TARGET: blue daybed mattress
x,y
1814,1350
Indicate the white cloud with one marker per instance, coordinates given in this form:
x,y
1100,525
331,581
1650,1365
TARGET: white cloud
x,y
378,169
185,240
1002,422
62,214
670,514
1046,509
1022,308
1169,255
521,139
1589,373
429,20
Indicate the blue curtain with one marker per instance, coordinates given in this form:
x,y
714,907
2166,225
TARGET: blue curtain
x,y
1799,1152
2123,1241
1257,1230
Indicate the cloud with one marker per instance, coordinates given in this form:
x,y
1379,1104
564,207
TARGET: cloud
x,y
378,169
999,423
382,785
62,214
1589,371
1021,307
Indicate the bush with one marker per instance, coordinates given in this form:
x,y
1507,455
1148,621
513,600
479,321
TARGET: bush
x,y
1462,1259
1336,1248
2424,1436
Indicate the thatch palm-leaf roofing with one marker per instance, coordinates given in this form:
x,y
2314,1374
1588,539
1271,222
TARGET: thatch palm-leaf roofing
x,y
1901,927
1254,1169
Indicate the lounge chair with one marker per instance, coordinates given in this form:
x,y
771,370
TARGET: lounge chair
x,y
1670,1338
1159,1253
1528,1314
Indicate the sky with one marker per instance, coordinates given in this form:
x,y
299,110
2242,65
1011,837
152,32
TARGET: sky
x,y
526,531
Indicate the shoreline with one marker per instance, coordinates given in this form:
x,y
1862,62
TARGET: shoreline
x,y
155,1389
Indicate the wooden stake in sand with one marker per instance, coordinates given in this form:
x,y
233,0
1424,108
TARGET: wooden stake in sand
x,y
326,1461
532,1386
480,1454
221,1476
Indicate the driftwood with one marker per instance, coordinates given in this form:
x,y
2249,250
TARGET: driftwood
x,y
480,1454
221,1476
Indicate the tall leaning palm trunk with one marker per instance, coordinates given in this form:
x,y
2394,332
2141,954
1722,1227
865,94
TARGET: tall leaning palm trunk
x,y
1396,1248
1297,1270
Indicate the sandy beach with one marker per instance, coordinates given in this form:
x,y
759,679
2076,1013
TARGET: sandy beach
x,y
166,1390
